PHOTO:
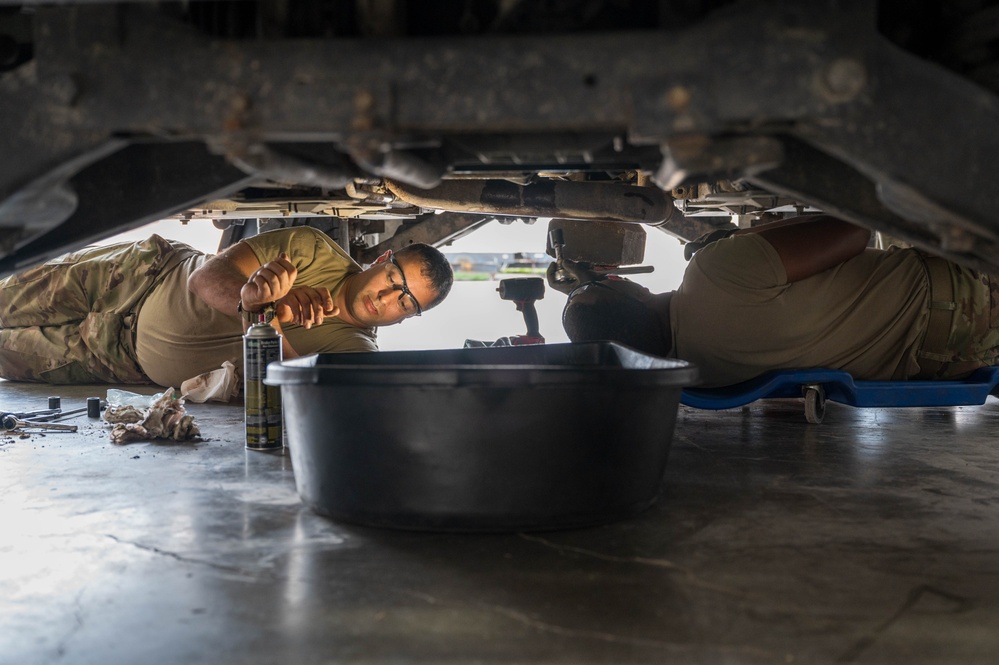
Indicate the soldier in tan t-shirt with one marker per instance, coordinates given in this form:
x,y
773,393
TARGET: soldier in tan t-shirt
x,y
802,293
159,311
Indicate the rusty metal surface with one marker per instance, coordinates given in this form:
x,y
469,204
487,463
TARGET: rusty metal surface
x,y
820,73
134,186
601,243
431,229
572,200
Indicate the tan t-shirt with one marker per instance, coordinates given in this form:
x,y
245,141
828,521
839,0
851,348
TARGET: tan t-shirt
x,y
735,315
179,336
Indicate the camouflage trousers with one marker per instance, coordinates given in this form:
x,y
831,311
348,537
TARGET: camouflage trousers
x,y
963,330
72,320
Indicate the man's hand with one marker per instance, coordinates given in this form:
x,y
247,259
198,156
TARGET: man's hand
x,y
269,283
704,240
273,282
574,275
306,306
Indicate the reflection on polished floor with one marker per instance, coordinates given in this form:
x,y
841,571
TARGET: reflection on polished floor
x,y
872,538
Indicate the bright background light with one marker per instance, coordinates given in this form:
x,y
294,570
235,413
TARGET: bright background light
x,y
474,309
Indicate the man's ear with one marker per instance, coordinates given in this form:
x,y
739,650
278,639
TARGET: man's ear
x,y
383,258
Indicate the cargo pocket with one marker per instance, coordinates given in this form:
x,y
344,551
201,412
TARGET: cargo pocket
x,y
989,346
109,337
49,354
993,283
71,372
982,317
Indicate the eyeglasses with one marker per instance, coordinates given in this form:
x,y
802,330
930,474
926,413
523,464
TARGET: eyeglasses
x,y
404,287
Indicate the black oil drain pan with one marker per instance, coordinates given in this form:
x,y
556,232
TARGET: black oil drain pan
x,y
488,439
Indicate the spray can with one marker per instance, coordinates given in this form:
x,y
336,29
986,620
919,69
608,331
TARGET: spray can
x,y
261,346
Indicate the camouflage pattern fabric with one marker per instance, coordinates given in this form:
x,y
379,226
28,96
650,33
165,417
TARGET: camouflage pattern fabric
x,y
72,320
973,335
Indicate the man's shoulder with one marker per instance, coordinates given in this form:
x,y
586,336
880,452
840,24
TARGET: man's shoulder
x,y
746,260
751,244
300,241
291,234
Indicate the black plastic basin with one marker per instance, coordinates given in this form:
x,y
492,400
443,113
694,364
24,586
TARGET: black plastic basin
x,y
491,439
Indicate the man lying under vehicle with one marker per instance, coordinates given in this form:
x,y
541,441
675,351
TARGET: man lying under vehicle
x,y
159,311
801,293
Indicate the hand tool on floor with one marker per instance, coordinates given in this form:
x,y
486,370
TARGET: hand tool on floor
x,y
53,410
11,423
524,292
93,410
39,413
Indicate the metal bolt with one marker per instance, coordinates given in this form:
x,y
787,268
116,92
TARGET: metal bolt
x,y
843,79
678,98
364,107
9,51
65,88
957,240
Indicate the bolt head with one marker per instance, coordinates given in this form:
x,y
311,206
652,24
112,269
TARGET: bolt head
x,y
843,79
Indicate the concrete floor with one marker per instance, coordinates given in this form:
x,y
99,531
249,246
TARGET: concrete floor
x,y
872,538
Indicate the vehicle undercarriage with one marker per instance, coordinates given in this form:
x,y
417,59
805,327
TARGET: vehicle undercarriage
x,y
392,122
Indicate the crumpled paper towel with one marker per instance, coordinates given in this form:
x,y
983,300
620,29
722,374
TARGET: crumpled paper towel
x,y
219,385
166,418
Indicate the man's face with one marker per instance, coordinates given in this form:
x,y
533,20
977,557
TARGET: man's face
x,y
376,296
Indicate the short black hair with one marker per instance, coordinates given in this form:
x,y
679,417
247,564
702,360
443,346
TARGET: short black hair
x,y
434,266
596,312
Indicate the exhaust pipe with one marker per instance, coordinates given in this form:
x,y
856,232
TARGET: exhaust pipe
x,y
596,201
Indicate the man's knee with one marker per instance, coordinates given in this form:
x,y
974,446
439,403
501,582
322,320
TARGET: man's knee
x,y
63,374
42,355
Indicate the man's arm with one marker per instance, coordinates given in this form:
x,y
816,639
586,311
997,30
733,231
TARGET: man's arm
x,y
220,280
236,275
811,244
